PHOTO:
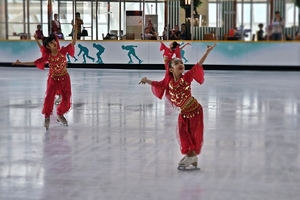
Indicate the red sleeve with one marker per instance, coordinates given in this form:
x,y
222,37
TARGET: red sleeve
x,y
196,73
158,88
162,47
40,63
68,49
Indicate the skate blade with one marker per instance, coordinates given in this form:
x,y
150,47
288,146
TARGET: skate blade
x,y
189,168
59,122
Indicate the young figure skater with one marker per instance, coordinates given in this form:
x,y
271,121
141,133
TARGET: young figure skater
x,y
58,93
177,89
58,78
173,49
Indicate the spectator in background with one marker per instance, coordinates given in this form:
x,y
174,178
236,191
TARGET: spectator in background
x,y
59,34
183,32
151,29
260,33
78,23
39,32
165,33
55,24
277,26
173,35
148,35
177,31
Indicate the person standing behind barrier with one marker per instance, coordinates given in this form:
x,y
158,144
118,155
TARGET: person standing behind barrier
x,y
79,23
55,24
277,26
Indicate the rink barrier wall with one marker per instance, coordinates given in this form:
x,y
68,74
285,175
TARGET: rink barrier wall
x,y
146,55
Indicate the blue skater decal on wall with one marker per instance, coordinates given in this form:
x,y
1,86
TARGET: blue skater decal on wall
x,y
100,49
131,51
69,60
85,53
182,52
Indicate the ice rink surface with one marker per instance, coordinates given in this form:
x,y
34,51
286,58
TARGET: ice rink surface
x,y
121,141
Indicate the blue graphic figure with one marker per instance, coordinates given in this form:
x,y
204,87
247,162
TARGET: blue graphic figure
x,y
182,52
131,51
85,53
69,60
100,49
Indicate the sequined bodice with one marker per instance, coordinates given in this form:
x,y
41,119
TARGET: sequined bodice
x,y
180,92
58,64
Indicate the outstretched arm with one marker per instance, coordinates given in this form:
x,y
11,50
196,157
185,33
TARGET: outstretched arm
x,y
75,27
208,50
37,41
79,52
18,62
185,45
145,80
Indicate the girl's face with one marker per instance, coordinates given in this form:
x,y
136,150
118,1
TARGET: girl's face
x,y
52,45
177,66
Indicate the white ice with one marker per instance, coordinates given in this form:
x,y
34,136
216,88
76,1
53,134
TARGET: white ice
x,y
121,143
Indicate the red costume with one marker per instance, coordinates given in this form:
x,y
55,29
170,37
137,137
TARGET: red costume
x,y
58,79
190,119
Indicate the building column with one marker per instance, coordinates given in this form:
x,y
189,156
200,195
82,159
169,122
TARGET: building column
x,y
2,19
229,9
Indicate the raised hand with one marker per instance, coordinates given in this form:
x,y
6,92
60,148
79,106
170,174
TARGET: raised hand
x,y
209,48
17,62
143,80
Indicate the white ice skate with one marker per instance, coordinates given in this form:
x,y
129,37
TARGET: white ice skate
x,y
58,100
47,123
62,120
186,162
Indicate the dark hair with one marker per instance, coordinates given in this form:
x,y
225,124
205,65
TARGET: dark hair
x,y
174,45
77,13
47,40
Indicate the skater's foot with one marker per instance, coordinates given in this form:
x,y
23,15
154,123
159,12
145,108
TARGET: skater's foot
x,y
61,119
47,123
58,100
75,59
130,62
187,161
140,61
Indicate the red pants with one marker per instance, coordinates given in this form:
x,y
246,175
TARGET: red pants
x,y
190,132
54,84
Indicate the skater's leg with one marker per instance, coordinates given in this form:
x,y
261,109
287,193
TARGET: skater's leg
x,y
49,98
48,102
91,58
190,133
129,56
65,104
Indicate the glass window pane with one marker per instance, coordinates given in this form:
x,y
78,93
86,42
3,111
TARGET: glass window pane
x,y
15,12
291,18
212,14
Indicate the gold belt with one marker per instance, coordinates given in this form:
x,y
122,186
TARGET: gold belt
x,y
60,77
188,103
